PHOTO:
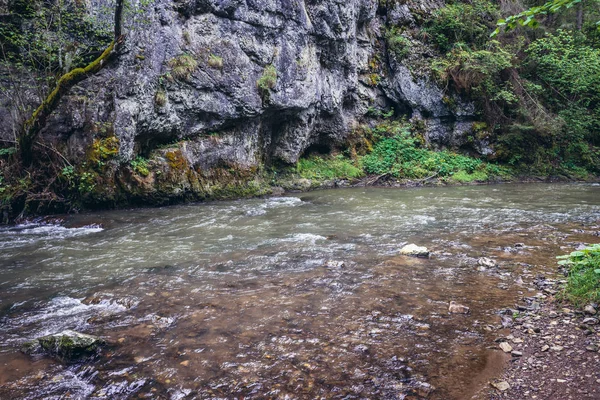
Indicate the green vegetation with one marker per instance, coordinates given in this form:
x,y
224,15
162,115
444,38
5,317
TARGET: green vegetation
x,y
583,285
398,43
9,151
530,16
462,23
141,166
399,152
538,94
183,67
160,98
215,62
328,168
267,81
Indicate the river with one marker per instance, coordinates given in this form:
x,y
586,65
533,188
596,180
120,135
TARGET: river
x,y
295,297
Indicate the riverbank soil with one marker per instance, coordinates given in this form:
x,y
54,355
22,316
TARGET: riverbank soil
x,y
552,346
555,352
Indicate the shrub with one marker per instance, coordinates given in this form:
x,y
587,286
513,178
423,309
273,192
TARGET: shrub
x,y
583,282
475,71
402,155
567,66
467,23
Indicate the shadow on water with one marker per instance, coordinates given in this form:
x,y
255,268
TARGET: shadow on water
x,y
290,297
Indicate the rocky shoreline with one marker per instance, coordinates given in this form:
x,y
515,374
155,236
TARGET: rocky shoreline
x,y
553,348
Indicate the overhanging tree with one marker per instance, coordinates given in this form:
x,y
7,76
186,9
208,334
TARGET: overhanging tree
x,y
34,125
529,17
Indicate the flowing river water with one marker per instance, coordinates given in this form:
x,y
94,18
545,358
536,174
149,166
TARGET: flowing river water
x,y
248,299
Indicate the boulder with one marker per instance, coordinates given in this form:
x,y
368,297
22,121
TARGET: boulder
x,y
414,251
67,345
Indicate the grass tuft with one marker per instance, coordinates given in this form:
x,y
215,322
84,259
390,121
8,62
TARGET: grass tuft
x,y
583,282
183,66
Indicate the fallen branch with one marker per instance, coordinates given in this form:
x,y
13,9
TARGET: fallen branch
x,y
428,178
371,182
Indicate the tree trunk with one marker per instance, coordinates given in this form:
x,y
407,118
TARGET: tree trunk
x,y
36,123
580,16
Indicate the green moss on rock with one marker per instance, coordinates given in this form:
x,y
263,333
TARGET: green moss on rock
x,y
67,345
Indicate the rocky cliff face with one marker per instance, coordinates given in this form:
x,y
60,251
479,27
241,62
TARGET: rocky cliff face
x,y
205,84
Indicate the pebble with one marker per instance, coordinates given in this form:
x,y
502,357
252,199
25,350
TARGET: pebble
x,y
590,321
507,348
589,309
545,347
501,386
515,353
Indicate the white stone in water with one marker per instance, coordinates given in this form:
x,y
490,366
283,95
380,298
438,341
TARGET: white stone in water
x,y
456,308
487,262
414,251
334,264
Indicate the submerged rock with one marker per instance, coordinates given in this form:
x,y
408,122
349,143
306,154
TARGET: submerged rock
x,y
414,251
456,308
67,345
334,264
487,262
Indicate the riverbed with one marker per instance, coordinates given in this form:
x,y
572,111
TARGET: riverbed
x,y
302,296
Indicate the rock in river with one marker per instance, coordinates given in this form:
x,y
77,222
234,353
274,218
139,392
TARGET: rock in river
x,y
487,262
414,251
67,345
456,308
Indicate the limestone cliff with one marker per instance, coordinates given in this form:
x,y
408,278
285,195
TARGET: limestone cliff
x,y
202,85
